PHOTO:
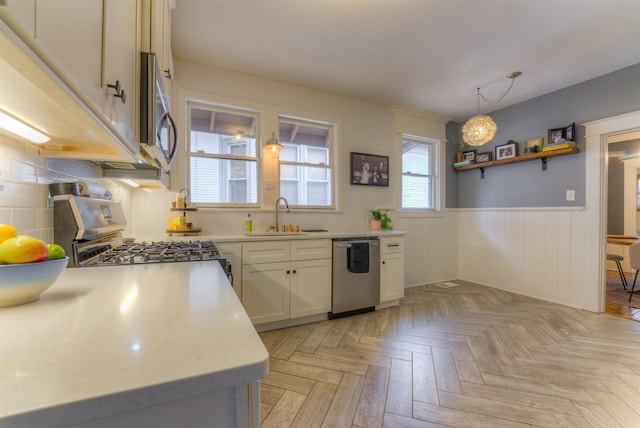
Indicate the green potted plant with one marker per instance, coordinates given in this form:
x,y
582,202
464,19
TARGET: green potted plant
x,y
383,219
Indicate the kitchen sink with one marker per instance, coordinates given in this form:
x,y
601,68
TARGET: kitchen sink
x,y
275,233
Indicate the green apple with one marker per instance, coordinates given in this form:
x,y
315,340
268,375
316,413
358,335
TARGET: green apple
x,y
23,249
55,251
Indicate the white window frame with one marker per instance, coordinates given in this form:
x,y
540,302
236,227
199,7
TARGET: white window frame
x,y
435,168
190,103
332,158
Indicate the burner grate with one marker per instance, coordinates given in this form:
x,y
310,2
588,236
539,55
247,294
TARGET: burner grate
x,y
159,252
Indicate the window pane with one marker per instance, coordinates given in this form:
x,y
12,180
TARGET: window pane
x,y
418,173
223,180
306,143
417,192
215,131
416,158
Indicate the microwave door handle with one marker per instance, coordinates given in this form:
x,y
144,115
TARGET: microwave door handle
x,y
167,117
174,149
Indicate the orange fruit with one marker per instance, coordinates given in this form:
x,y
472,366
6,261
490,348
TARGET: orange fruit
x,y
7,231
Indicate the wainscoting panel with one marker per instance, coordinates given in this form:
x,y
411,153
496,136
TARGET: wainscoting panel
x,y
534,252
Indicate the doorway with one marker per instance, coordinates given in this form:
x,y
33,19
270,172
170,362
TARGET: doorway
x,y
596,135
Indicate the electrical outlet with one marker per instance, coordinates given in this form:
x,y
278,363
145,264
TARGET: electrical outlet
x,y
571,195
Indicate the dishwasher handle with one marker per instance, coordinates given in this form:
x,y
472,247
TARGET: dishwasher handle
x,y
348,244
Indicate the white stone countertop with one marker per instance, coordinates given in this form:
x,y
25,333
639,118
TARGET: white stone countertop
x,y
270,236
106,340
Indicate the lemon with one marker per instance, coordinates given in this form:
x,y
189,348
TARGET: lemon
x,y
7,231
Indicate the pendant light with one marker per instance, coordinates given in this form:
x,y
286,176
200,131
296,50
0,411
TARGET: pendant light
x,y
481,128
273,144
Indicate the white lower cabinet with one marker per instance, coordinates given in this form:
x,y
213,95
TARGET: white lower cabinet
x,y
391,269
286,279
233,253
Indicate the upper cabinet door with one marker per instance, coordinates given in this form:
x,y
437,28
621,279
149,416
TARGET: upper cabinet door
x,y
24,12
74,44
121,59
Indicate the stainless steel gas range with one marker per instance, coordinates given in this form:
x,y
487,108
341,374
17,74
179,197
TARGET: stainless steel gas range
x,y
90,231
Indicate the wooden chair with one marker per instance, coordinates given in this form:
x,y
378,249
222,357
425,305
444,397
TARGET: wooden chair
x,y
617,259
634,260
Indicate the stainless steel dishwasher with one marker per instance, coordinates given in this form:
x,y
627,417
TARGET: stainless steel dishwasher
x,y
356,276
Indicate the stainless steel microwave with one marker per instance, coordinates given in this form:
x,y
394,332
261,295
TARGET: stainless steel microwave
x,y
158,133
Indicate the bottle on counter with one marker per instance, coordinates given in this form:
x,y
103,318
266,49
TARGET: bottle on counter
x,y
248,224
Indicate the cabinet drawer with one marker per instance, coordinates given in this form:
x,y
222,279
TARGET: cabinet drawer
x,y
311,249
266,252
392,245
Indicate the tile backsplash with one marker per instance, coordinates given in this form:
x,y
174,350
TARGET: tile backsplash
x,y
24,180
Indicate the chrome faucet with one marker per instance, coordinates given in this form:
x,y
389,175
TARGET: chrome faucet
x,y
275,227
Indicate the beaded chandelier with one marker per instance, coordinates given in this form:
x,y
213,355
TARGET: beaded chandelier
x,y
481,128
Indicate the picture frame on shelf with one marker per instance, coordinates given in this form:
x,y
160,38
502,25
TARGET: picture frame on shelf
x,y
556,135
369,170
506,151
469,155
533,145
483,157
570,132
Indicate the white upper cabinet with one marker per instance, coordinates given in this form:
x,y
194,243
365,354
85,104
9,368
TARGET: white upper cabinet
x,y
121,59
23,11
74,44
78,48
156,36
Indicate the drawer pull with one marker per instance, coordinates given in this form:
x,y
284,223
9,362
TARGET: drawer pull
x,y
392,245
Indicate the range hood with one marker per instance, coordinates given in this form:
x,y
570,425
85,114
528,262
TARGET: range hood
x,y
144,175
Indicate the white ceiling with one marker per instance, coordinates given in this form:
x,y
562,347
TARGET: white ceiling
x,y
425,54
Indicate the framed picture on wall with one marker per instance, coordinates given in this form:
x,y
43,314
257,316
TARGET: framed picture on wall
x,y
369,170
506,151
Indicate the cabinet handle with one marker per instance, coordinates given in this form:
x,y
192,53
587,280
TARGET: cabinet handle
x,y
288,272
383,262
119,92
294,271
167,73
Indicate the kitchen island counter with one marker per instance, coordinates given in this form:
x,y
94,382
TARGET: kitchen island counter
x,y
131,346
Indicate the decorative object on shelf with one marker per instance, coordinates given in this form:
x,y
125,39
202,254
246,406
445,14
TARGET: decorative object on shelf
x,y
273,144
483,157
540,155
556,136
462,163
383,219
533,145
570,132
371,170
469,155
560,138
481,129
506,151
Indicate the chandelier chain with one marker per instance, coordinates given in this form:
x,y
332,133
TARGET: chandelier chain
x,y
513,79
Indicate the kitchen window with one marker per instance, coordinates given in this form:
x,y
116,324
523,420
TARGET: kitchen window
x,y
222,152
306,162
419,173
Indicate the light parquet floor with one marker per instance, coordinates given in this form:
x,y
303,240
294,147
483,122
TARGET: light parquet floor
x,y
466,356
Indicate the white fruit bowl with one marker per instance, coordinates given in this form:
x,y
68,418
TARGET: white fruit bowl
x,y
23,283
